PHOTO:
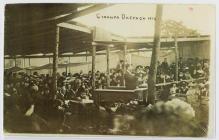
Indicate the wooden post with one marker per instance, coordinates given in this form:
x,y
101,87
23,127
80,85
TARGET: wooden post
x,y
176,59
15,61
30,66
86,59
107,66
23,62
124,68
29,63
69,61
86,55
50,70
55,61
155,56
96,97
66,67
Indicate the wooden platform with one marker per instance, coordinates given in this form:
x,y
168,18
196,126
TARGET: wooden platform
x,y
118,95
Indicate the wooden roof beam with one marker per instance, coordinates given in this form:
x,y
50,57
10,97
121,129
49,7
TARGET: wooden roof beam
x,y
75,27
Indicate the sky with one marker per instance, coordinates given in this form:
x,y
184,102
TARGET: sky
x,y
199,17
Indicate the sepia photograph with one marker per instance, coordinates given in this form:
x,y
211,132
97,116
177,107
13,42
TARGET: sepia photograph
x,y
124,69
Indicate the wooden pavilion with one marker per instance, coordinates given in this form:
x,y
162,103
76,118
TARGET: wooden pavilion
x,y
58,34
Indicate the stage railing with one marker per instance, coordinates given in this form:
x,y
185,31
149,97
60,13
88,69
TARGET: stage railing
x,y
176,82
121,93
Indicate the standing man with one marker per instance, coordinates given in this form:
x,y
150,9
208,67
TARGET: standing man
x,y
165,66
130,79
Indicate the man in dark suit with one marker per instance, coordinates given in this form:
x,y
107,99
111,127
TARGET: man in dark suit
x,y
165,66
130,79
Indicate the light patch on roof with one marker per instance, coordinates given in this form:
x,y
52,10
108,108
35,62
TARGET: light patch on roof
x,y
39,54
83,7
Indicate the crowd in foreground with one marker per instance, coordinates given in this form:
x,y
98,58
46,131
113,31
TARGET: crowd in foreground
x,y
25,94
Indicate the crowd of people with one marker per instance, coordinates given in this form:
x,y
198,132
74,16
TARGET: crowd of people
x,y
33,93
187,70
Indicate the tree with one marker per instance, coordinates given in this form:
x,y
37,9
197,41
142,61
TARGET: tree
x,y
171,28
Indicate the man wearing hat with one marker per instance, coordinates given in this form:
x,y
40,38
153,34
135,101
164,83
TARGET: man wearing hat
x,y
183,88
